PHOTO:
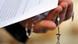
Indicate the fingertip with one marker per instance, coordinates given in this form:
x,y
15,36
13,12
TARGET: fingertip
x,y
48,24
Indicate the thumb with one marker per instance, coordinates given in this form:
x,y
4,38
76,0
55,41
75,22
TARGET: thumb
x,y
44,24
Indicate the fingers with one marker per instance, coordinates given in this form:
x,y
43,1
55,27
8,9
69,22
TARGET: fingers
x,y
52,14
44,25
69,8
63,12
69,12
60,10
48,22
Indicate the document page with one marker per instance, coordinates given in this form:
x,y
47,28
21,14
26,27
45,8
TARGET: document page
x,y
13,11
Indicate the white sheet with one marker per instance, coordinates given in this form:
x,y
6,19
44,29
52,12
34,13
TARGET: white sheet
x,y
12,11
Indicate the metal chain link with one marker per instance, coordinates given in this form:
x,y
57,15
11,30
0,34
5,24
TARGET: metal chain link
x,y
58,33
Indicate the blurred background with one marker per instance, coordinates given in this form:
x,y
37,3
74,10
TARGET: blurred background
x,y
6,38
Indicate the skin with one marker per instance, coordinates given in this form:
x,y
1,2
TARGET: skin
x,y
64,10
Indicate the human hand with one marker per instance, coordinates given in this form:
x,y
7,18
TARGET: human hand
x,y
64,10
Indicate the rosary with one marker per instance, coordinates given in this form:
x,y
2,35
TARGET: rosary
x,y
28,31
58,33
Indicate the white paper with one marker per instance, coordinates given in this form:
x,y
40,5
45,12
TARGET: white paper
x,y
12,11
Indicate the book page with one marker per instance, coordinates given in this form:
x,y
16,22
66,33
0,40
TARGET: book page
x,y
13,11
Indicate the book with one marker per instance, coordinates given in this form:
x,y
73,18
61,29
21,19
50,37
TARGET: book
x,y
13,11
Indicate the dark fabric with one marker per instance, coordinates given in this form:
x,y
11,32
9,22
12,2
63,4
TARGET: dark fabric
x,y
18,32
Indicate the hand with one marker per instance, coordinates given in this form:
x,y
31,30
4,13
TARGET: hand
x,y
64,10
